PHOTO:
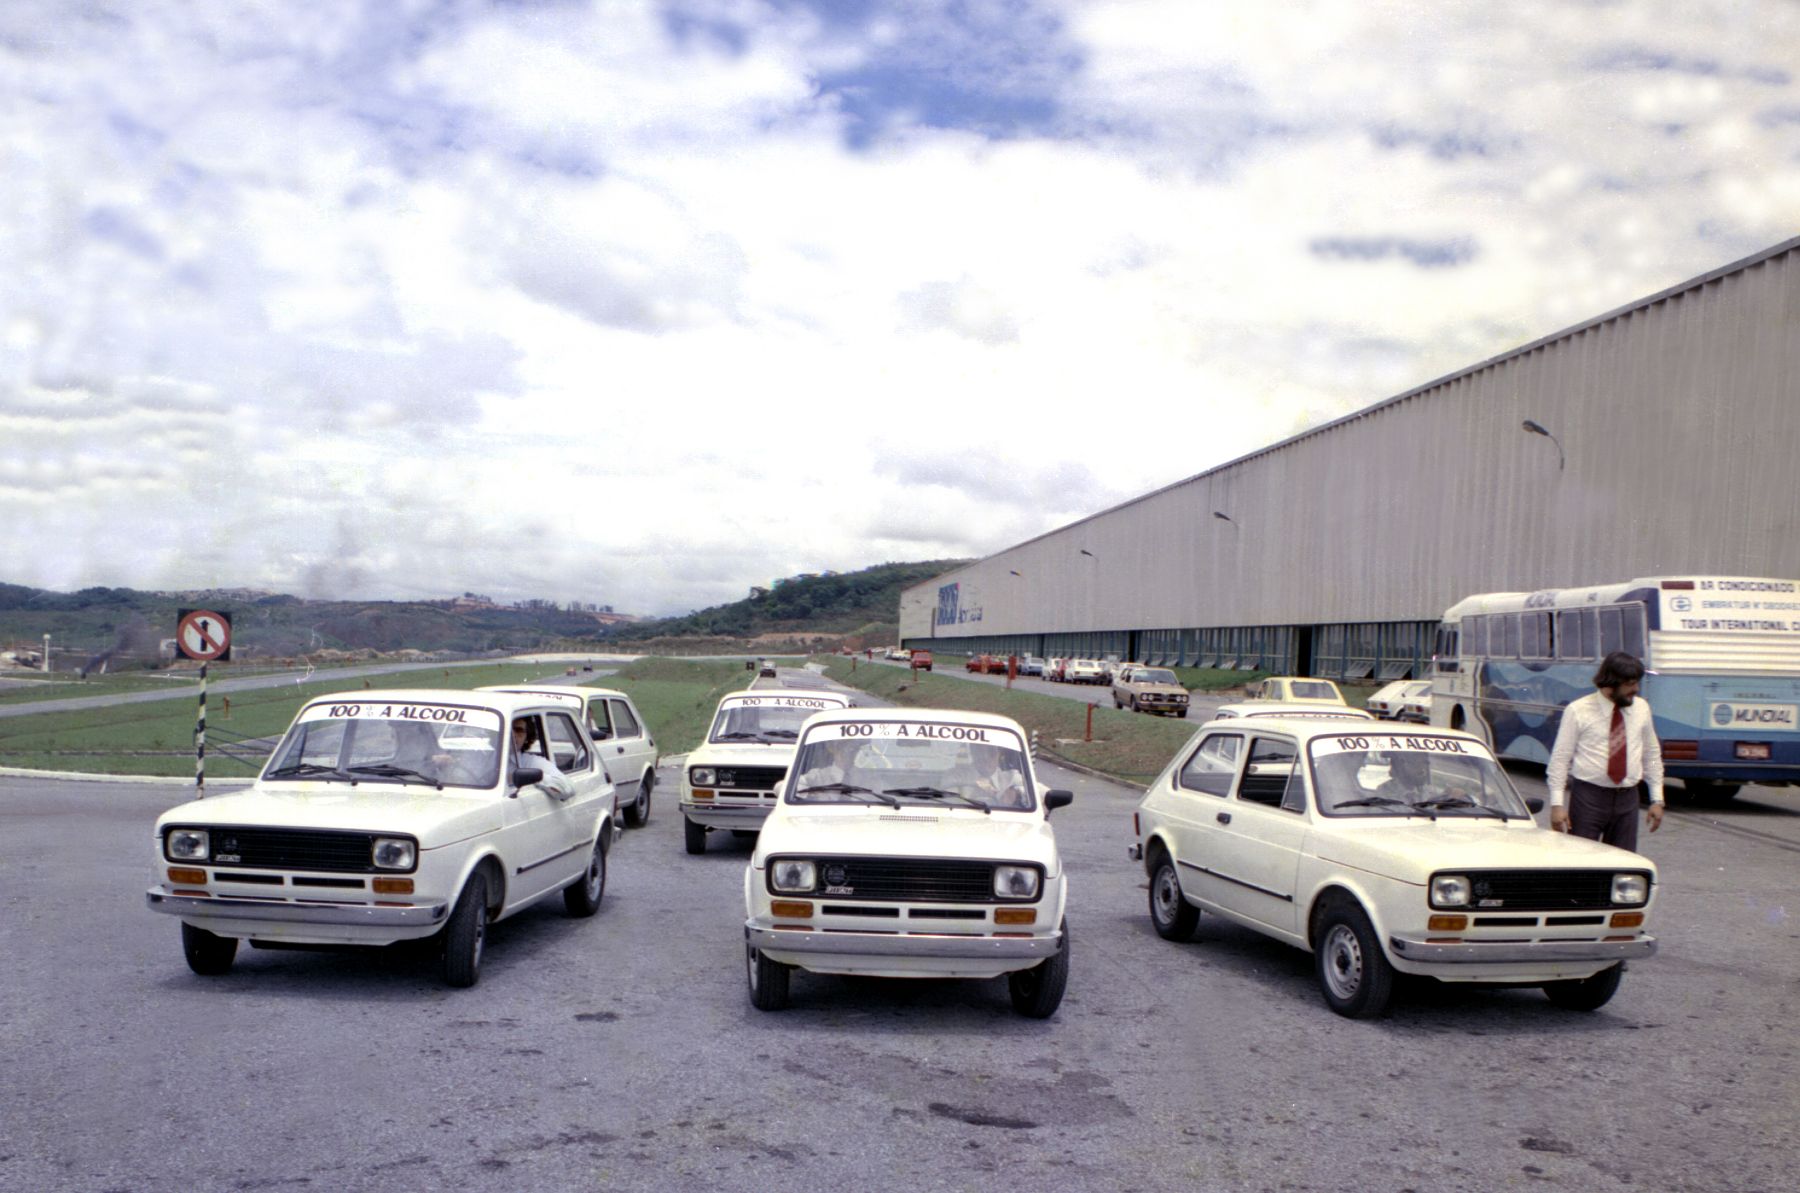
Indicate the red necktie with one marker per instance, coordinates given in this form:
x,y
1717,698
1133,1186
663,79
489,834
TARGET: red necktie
x,y
1615,746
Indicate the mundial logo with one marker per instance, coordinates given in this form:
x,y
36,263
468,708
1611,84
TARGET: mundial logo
x,y
1722,715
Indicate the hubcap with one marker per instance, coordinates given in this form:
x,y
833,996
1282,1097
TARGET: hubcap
x,y
480,936
1343,962
1168,895
596,869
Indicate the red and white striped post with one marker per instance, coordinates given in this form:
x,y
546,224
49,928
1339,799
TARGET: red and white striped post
x,y
200,740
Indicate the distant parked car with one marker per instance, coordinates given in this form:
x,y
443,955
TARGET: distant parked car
x,y
1053,670
1293,709
1031,665
1290,687
1150,689
1084,671
766,670
1403,700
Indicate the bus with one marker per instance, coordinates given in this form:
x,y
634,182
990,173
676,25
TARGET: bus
x,y
1721,658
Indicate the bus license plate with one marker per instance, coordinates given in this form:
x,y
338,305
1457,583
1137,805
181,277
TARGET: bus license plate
x,y
1753,749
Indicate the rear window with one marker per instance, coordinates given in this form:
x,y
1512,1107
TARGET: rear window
x,y
1309,689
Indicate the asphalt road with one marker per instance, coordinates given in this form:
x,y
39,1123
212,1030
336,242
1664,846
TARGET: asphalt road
x,y
622,1052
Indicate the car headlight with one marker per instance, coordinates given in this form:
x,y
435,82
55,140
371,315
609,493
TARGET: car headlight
x,y
793,876
1449,890
1630,888
188,845
1016,882
394,853
703,776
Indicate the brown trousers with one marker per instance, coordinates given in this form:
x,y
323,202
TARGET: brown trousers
x,y
1608,814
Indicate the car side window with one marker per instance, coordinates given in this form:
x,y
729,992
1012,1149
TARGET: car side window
x,y
1270,767
567,749
624,724
1213,765
599,720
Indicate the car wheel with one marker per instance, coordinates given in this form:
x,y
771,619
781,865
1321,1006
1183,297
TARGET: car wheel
x,y
1038,991
696,836
768,980
1354,974
1586,994
207,952
1709,790
638,814
1173,917
465,936
1132,704
582,897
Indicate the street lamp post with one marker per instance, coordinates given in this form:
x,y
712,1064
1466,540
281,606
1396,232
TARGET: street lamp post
x,y
1537,428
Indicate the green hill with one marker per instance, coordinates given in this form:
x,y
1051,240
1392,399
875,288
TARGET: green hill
x,y
842,603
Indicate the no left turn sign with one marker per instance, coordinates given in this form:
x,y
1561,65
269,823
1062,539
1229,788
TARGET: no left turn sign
x,y
204,635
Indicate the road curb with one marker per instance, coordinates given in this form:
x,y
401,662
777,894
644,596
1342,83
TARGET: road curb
x,y
26,772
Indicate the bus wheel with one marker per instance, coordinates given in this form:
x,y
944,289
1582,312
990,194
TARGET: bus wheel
x,y
1711,791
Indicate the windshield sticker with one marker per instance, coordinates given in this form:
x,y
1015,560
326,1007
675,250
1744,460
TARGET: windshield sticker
x,y
378,710
1323,747
785,702
915,731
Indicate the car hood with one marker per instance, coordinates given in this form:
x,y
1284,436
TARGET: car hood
x,y
1160,689
433,817
912,831
1414,850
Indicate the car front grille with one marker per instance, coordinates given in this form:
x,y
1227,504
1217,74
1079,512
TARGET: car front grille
x,y
293,849
752,778
1542,890
910,880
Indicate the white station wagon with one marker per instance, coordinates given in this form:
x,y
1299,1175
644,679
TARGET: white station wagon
x,y
910,843
386,816
1382,850
732,779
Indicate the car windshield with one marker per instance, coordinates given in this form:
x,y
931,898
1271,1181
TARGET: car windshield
x,y
1308,689
1152,675
950,765
778,720
433,745
1410,775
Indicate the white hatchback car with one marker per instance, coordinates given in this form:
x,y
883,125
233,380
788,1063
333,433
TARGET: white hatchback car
x,y
1403,700
622,740
1290,708
910,843
1381,851
730,781
386,816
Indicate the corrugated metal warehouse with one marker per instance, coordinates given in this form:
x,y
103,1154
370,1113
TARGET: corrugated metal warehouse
x,y
1673,441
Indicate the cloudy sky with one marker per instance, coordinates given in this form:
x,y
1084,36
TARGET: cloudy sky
x,y
642,303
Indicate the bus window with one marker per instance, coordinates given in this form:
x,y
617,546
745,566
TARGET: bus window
x,y
1474,631
1534,637
1508,646
1634,631
1570,643
1612,631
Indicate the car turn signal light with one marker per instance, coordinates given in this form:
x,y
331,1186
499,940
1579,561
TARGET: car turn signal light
x,y
180,874
698,794
392,886
1627,919
1447,923
792,909
1015,915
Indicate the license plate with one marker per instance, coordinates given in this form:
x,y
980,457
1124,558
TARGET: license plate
x,y
1753,749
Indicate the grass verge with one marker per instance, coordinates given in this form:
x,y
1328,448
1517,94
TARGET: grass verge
x,y
1131,747
678,696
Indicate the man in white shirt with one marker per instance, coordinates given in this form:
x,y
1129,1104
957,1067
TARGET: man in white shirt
x,y
1605,746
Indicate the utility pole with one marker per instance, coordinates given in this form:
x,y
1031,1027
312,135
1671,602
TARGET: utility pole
x,y
46,654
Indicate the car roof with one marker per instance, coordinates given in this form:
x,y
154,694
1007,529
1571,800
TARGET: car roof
x,y
1294,708
1309,728
554,691
842,699
933,716
501,702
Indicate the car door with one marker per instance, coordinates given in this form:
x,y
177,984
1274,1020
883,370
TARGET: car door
x,y
630,751
1260,835
1200,790
535,834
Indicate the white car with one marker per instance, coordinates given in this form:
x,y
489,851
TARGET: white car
x,y
1382,850
1403,700
1300,688
910,843
730,781
386,816
1084,671
621,738
1290,708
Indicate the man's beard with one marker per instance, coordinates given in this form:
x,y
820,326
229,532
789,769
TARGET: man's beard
x,y
1620,701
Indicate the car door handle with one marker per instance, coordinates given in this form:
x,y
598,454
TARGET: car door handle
x,y
1224,817
621,749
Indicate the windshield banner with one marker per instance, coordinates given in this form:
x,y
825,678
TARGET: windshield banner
x,y
915,731
1362,743
786,702
381,710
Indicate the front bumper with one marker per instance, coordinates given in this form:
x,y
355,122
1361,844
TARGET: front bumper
x,y
423,915
1522,952
727,815
912,944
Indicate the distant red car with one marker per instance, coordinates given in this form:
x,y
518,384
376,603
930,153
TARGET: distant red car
x,y
921,660
986,664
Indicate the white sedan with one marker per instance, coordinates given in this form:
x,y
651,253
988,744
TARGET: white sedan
x,y
1381,851
910,843
386,816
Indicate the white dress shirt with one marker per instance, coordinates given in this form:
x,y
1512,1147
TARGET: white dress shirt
x,y
1584,746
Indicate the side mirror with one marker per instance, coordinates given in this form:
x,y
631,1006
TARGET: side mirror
x,y
525,776
1057,798
1536,804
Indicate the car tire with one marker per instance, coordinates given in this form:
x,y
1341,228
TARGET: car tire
x,y
581,898
1586,994
208,953
638,814
465,936
1173,917
1354,974
1710,791
768,980
1038,991
696,836
1132,704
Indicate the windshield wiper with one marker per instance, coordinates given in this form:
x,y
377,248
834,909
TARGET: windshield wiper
x,y
848,789
779,733
939,792
1373,801
306,768
737,737
389,770
1457,801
